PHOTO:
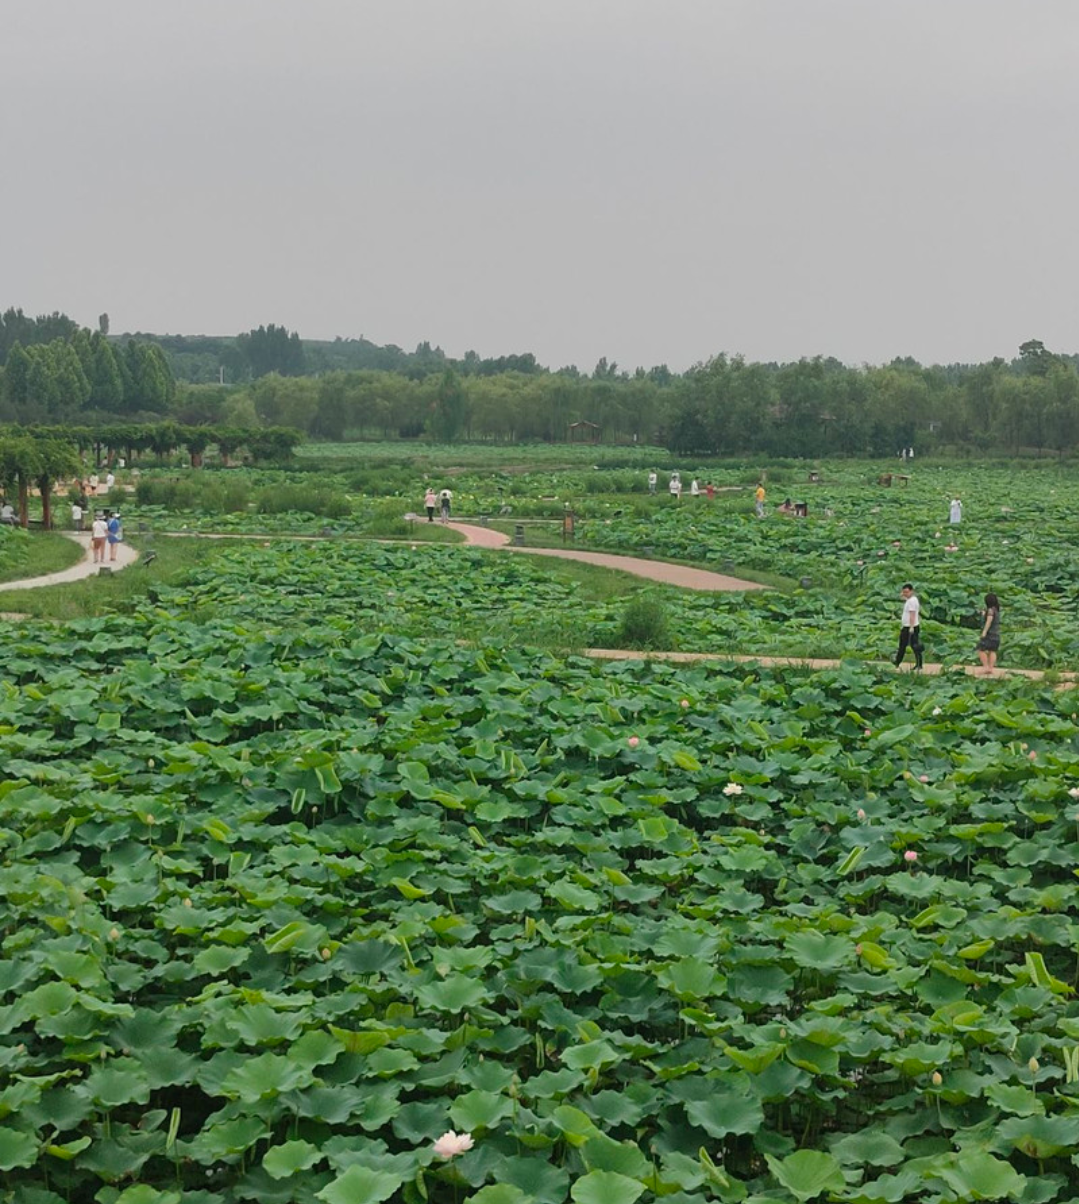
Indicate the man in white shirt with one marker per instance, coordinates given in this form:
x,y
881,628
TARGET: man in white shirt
x,y
955,512
910,632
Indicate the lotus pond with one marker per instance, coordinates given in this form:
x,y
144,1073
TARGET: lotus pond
x,y
282,903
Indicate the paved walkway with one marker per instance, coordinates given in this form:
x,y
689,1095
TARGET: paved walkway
x,y
125,555
652,570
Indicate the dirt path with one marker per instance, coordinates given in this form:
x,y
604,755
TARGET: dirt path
x,y
125,555
1067,679
652,570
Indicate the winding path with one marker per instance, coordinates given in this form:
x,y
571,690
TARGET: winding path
x,y
652,570
125,555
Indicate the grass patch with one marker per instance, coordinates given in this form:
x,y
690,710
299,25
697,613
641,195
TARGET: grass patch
x,y
38,554
400,528
99,595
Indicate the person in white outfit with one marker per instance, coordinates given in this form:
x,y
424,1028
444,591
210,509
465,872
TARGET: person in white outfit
x,y
955,512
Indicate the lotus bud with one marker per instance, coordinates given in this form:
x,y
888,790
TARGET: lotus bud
x,y
633,741
1034,1066
114,934
187,903
938,1078
325,955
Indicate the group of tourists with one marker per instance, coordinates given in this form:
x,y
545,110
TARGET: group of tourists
x,y
675,487
106,531
442,500
910,631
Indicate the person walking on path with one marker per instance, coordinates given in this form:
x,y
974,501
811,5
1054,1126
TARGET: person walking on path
x,y
910,631
430,500
76,515
99,532
445,501
955,512
114,533
758,498
989,644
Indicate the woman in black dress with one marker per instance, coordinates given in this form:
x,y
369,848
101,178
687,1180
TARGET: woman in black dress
x,y
989,644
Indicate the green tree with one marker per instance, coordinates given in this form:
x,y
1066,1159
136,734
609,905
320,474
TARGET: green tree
x,y
1035,359
106,383
16,376
55,461
449,413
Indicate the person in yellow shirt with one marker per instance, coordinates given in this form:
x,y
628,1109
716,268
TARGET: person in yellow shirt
x,y
759,496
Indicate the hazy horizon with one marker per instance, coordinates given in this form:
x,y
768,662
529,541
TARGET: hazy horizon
x,y
650,185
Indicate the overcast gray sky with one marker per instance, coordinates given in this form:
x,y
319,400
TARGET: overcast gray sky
x,y
650,181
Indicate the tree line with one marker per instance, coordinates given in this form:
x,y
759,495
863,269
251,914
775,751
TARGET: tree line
x,y
39,457
724,405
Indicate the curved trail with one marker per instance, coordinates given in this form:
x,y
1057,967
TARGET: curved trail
x,y
651,570
125,556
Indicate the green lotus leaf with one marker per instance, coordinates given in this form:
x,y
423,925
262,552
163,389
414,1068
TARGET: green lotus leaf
x,y
808,1173
17,1149
455,993
976,1175
606,1187
500,1193
360,1185
280,1161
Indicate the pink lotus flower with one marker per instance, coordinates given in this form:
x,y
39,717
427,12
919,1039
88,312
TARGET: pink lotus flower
x,y
859,563
1033,755
684,703
633,741
924,777
732,788
910,856
868,732
896,543
450,1144
861,813
1074,792
858,949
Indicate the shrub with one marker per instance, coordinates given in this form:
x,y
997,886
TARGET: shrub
x,y
644,624
307,499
